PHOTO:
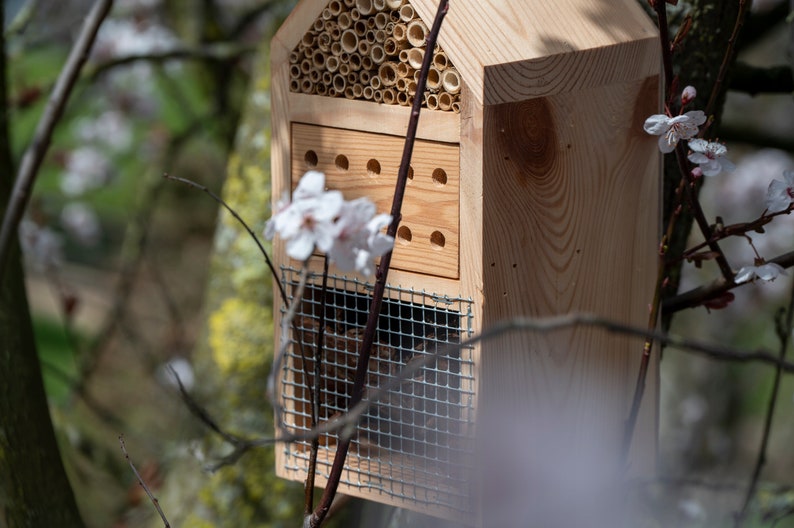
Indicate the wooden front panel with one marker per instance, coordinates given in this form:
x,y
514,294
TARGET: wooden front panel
x,y
365,164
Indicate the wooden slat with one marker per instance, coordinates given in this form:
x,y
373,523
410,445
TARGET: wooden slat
x,y
429,207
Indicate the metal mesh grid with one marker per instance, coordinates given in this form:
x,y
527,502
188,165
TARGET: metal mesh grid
x,y
413,443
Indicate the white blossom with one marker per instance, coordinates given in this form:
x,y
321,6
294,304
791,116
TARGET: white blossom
x,y
687,94
765,271
780,194
86,169
42,246
81,222
710,157
358,239
673,129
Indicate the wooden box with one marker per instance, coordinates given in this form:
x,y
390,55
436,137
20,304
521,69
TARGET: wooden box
x,y
533,191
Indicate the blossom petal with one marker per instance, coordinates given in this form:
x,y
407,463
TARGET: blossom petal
x,y
657,124
744,274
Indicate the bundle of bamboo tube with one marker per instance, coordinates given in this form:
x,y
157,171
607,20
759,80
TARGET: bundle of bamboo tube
x,y
372,50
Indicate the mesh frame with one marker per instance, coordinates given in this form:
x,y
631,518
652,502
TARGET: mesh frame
x,y
413,445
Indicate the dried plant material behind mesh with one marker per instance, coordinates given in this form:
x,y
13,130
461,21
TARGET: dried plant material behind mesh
x,y
382,38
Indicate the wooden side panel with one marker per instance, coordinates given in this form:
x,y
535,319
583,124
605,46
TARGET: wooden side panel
x,y
571,205
364,164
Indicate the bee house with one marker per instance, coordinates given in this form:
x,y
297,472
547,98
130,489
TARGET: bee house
x,y
533,191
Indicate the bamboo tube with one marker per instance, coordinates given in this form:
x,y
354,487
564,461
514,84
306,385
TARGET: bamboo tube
x,y
433,79
349,92
364,76
456,107
415,56
306,66
403,99
407,13
376,82
403,55
417,33
444,101
366,63
394,4
336,7
344,21
294,85
336,49
355,15
394,16
364,48
381,20
389,28
349,3
377,96
431,100
349,41
389,96
307,53
358,91
327,78
387,74
318,60
307,86
332,63
360,27
294,57
378,54
370,36
369,93
340,83
326,14
401,85
324,41
318,25
333,29
390,46
354,60
365,7
440,60
403,70
344,68
450,80
379,5
410,87
380,36
315,76
352,78
371,23
400,32
308,39
331,92
321,89
294,71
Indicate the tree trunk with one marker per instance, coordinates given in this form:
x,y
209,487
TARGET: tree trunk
x,y
34,489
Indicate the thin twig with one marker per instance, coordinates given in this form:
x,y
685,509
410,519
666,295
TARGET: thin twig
x,y
143,484
34,155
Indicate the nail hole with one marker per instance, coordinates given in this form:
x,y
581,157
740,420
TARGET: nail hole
x,y
311,159
342,163
404,235
373,168
515,265
440,177
437,240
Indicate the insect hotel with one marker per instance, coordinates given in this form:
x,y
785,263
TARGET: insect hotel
x,y
533,191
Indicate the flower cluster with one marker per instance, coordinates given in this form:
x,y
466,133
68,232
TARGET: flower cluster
x,y
780,194
349,232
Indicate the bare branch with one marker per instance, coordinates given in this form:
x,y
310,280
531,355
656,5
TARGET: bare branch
x,y
152,498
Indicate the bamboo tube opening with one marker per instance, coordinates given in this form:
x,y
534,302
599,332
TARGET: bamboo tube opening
x,y
389,28
379,5
332,63
344,68
318,60
324,41
387,74
415,56
403,55
417,33
364,77
400,32
326,14
306,66
410,87
349,41
335,31
380,36
340,83
403,70
336,49
352,77
344,20
364,48
294,71
401,84
307,53
450,80
321,89
394,16
360,27
349,3
369,93
456,107
370,36
440,60
307,86
318,25
378,54
390,46
331,92
366,63
371,23
377,96
403,99
358,90
389,96
394,4
294,57
308,39
407,13
381,20
355,15
315,76
294,85
376,82
327,77
349,92
354,60
433,79
431,100
365,7
444,101
335,6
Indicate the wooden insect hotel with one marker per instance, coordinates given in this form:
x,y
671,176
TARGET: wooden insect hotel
x,y
533,191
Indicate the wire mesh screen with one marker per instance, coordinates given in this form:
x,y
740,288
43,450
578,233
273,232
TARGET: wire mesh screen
x,y
413,443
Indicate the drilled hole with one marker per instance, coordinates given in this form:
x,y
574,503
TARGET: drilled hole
x,y
437,240
404,235
373,168
342,163
311,159
440,177
410,172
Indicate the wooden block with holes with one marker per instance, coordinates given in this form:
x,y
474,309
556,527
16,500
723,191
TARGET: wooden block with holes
x,y
533,191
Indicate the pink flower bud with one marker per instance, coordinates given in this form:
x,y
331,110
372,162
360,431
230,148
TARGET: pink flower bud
x,y
697,172
688,94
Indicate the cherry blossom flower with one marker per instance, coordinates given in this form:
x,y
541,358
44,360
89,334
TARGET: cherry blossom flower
x,y
358,238
780,194
709,155
308,221
768,271
673,129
